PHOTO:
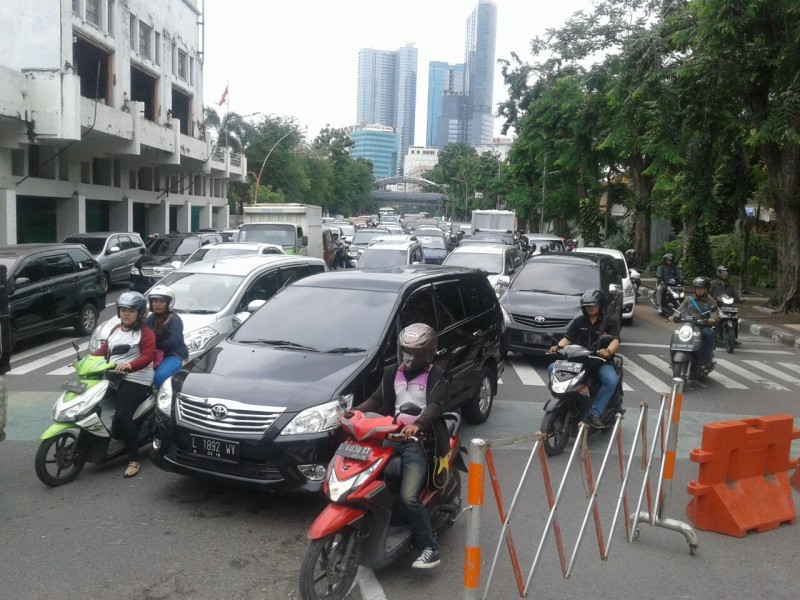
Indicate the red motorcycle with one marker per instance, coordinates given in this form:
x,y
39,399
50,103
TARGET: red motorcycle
x,y
361,525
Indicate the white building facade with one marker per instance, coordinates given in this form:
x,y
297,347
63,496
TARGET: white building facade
x,y
101,121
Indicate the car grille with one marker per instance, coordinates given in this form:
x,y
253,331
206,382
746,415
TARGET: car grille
x,y
548,323
252,469
235,418
157,271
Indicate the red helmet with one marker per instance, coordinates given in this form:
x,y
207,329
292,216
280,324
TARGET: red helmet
x,y
416,346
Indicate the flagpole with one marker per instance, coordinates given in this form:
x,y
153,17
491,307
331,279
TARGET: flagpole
x,y
227,111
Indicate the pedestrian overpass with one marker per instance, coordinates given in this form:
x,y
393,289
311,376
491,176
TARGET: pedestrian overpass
x,y
433,198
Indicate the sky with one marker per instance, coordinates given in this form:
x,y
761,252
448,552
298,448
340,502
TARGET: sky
x,y
299,58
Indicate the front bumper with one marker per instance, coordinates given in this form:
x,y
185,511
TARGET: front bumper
x,y
525,340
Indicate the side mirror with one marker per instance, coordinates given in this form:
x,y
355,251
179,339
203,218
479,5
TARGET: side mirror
x,y
615,288
141,250
239,318
120,349
21,282
113,250
304,241
409,408
254,305
176,264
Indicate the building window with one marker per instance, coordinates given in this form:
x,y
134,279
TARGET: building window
x,y
76,8
18,162
134,32
182,64
158,48
174,58
191,71
110,17
93,12
144,40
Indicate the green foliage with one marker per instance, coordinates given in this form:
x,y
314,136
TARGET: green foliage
x,y
697,260
674,247
591,222
726,250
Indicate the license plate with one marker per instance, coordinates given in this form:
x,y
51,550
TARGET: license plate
x,y
532,338
565,365
73,385
353,451
215,448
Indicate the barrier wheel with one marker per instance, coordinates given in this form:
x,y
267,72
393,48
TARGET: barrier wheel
x,y
692,549
636,533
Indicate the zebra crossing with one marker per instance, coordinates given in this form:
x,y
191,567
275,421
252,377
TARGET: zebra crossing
x,y
645,371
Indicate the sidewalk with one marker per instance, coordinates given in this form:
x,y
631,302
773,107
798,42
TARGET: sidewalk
x,y
755,318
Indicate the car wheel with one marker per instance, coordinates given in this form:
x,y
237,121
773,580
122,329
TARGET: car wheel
x,y
105,282
87,320
477,409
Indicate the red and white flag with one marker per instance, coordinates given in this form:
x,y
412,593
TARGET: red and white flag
x,y
224,96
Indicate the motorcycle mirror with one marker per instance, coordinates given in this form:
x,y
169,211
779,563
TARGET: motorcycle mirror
x,y
603,341
77,350
410,408
120,349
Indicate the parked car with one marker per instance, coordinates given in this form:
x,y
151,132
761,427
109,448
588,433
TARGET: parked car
x,y
262,407
498,261
209,294
51,286
165,254
361,240
544,296
390,253
628,293
212,251
115,252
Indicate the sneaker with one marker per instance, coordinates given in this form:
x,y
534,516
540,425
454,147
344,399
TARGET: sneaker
x,y
596,422
427,560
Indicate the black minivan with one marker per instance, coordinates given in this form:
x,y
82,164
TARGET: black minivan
x,y
262,407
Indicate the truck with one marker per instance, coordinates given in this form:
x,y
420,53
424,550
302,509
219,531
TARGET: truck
x,y
502,220
297,228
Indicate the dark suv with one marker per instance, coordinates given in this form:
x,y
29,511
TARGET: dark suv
x,y
262,407
166,254
51,286
544,296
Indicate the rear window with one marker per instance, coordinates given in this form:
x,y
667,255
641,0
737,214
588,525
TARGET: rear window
x,y
174,246
93,244
491,263
374,257
556,278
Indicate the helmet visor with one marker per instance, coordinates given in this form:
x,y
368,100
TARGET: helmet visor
x,y
412,361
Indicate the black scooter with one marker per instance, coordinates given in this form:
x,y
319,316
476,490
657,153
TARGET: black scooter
x,y
673,298
727,326
686,346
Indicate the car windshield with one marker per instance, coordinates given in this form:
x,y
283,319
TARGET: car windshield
x,y
491,263
93,244
212,253
497,238
202,293
374,257
431,242
282,235
365,237
347,230
167,246
622,268
556,278
313,326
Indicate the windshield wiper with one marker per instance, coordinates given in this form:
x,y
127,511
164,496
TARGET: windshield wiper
x,y
540,291
345,350
280,344
198,311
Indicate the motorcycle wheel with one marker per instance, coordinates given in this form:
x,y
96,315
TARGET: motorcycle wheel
x,y
449,518
680,369
63,464
730,339
554,425
324,574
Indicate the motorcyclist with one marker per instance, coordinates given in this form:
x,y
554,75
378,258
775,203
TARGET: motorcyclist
x,y
136,363
701,307
721,285
665,272
416,380
585,330
631,260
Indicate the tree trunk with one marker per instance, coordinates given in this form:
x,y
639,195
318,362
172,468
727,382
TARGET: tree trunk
x,y
642,206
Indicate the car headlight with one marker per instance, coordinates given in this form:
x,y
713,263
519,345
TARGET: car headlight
x,y
316,419
135,270
196,340
337,489
685,333
628,291
89,398
164,398
506,317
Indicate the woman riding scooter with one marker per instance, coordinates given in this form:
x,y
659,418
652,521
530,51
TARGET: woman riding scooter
x,y
136,365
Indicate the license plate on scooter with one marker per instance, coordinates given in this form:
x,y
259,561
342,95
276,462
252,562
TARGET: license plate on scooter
x,y
565,365
353,451
73,385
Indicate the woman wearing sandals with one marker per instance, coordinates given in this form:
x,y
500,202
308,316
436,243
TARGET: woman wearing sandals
x,y
136,363
171,350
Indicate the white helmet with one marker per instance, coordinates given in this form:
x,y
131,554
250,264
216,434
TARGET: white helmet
x,y
161,292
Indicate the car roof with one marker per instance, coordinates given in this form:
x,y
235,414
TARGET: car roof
x,y
243,264
383,279
608,251
482,248
102,234
564,258
544,236
391,244
21,249
239,246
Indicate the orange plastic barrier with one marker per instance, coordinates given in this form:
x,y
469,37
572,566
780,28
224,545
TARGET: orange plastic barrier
x,y
743,483
795,480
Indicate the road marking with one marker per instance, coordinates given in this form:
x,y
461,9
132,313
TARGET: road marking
x,y
643,345
625,386
753,351
526,373
726,364
653,382
727,381
68,370
369,586
771,371
791,367
32,366
39,350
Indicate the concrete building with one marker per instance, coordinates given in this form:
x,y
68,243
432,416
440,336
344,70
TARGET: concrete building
x,y
387,93
377,144
420,160
443,79
479,58
499,147
101,121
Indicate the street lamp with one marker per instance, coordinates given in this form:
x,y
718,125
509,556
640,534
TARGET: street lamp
x,y
466,196
261,170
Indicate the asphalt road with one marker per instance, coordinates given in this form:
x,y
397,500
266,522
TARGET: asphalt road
x,y
164,536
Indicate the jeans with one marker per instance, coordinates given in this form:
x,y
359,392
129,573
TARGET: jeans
x,y
168,367
707,351
607,377
415,470
127,399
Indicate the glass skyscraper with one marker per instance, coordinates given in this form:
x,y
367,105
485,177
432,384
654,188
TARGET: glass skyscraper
x,y
377,144
479,57
442,78
387,94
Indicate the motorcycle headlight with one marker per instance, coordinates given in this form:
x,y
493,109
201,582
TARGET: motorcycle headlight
x,y
95,342
315,419
685,333
196,340
86,400
135,270
164,398
339,489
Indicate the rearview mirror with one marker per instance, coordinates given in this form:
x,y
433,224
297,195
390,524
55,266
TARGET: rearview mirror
x,y
113,250
120,349
614,288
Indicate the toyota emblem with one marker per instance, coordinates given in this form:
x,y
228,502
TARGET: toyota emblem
x,y
219,411
539,319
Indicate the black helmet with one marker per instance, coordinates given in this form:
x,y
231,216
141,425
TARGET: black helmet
x,y
630,252
416,346
701,282
132,300
720,269
591,298
667,257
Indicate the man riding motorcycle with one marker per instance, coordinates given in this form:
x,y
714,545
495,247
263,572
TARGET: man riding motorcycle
x,y
721,285
665,272
631,260
701,307
416,380
585,330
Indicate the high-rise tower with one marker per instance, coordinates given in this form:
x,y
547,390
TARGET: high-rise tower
x,y
479,58
442,79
